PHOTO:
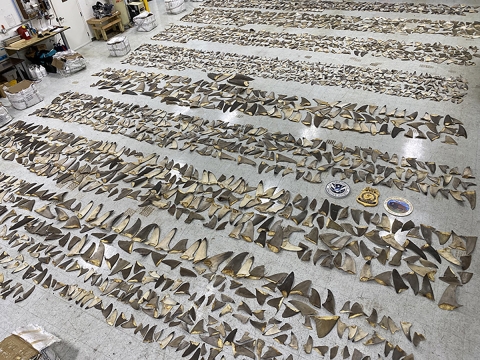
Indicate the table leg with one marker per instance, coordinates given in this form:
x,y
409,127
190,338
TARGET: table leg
x,y
24,68
20,72
96,33
104,33
64,38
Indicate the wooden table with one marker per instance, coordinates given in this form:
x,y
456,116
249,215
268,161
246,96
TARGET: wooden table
x,y
12,49
100,26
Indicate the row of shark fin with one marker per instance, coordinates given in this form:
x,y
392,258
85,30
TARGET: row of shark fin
x,y
207,178
320,6
323,324
87,107
274,147
344,242
390,82
391,49
229,96
197,253
123,224
330,224
221,336
293,19
7,287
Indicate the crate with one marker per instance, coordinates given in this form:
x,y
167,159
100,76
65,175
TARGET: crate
x,y
118,46
145,21
5,117
23,95
68,62
72,66
175,6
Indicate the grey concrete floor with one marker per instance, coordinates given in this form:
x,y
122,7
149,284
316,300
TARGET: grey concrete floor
x,y
449,334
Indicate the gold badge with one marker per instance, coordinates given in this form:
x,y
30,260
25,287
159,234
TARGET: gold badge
x,y
368,197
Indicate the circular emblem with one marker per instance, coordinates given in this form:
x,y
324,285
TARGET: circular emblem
x,y
398,206
368,197
337,189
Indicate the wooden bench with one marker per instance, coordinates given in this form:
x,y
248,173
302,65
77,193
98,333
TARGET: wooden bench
x,y
100,26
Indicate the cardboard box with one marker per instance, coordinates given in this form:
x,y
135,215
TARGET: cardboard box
x,y
14,347
2,92
59,62
23,95
68,62
7,84
22,85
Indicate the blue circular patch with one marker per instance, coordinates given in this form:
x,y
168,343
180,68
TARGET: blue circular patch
x,y
398,206
337,189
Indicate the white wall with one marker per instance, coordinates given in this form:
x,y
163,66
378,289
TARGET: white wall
x,y
11,16
8,9
86,6
10,13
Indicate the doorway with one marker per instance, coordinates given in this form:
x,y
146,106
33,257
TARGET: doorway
x,y
68,13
